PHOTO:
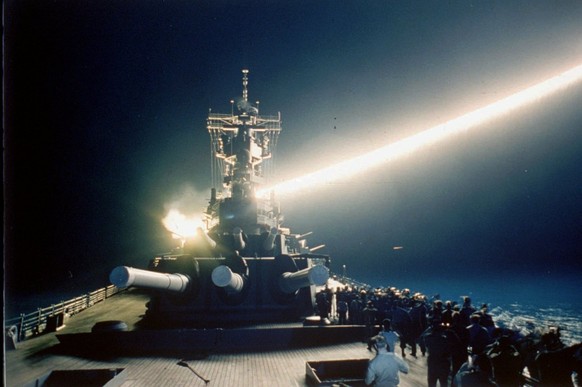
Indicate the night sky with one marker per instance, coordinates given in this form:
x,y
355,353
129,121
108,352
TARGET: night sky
x,y
105,105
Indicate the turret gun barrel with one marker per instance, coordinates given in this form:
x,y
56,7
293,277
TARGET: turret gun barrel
x,y
269,243
204,236
315,275
124,276
225,278
239,242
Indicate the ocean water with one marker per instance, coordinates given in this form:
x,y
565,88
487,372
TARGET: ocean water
x,y
519,302
526,318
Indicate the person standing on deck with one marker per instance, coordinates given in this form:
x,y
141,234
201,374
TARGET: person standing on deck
x,y
506,362
418,324
342,312
384,367
474,373
457,348
342,305
355,311
486,320
466,311
390,336
322,306
447,315
369,313
439,359
478,336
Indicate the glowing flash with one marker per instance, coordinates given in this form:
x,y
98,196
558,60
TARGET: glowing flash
x,y
430,136
180,225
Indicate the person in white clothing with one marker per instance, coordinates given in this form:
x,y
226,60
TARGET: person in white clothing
x,y
383,369
390,336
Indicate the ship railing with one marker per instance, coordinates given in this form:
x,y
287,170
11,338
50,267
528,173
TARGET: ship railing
x,y
349,281
225,116
226,122
51,318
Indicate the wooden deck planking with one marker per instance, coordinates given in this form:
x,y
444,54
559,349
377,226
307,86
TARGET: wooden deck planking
x,y
283,367
272,368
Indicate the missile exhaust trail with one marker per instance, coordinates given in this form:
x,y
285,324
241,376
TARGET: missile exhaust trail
x,y
393,151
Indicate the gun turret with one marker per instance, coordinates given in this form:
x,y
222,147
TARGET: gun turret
x,y
315,275
124,276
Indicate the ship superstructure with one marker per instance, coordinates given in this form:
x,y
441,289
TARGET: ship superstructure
x,y
242,147
243,266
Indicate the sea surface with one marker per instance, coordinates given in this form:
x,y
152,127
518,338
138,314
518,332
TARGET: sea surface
x,y
526,318
518,302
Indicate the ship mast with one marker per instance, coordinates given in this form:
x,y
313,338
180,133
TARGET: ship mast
x,y
242,145
245,94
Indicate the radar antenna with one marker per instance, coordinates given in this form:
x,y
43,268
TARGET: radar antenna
x,y
245,79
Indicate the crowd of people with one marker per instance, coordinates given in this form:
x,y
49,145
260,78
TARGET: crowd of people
x,y
461,342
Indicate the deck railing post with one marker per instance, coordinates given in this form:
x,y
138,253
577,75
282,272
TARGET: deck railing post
x,y
21,328
38,320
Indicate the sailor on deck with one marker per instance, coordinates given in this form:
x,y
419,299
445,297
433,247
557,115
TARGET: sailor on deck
x,y
383,369
389,335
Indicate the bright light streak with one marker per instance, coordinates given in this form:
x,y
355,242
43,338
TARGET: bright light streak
x,y
180,225
393,151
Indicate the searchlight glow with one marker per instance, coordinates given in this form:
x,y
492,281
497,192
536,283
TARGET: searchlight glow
x,y
430,136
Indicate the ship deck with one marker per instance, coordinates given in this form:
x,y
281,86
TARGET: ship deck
x,y
222,366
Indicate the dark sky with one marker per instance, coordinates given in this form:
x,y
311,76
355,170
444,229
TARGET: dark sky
x,y
105,105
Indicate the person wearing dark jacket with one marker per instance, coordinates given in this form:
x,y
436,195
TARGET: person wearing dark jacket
x,y
474,373
466,311
478,336
439,358
506,362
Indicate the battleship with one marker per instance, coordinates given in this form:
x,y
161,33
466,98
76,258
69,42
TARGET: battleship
x,y
237,295
234,304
